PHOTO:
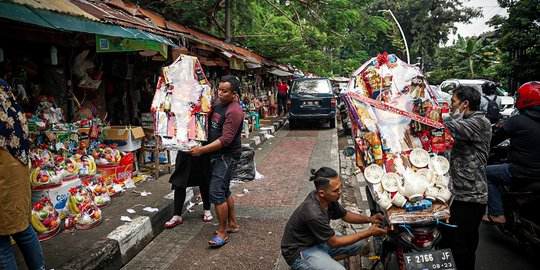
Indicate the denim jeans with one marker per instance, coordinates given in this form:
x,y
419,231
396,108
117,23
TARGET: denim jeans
x,y
28,243
320,257
222,170
497,175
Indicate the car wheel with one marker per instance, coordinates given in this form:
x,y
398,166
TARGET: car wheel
x,y
332,123
292,124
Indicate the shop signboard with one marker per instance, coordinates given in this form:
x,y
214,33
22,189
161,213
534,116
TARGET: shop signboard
x,y
118,44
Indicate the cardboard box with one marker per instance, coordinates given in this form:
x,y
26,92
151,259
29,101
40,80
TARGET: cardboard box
x,y
126,139
120,173
59,195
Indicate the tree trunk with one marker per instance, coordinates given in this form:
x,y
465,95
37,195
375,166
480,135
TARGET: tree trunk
x,y
228,35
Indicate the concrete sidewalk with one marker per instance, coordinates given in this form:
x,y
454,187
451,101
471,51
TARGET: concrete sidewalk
x,y
114,243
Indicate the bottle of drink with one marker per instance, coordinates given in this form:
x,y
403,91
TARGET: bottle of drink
x,y
376,147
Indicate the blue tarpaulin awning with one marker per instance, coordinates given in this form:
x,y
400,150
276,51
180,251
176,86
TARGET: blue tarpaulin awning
x,y
68,23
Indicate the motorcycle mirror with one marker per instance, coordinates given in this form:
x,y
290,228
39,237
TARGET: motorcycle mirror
x,y
349,151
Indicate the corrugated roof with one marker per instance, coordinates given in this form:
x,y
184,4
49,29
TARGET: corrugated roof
x,y
60,6
126,14
114,15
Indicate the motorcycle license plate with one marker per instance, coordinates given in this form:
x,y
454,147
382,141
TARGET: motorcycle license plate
x,y
437,259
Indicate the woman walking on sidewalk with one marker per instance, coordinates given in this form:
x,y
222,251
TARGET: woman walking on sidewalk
x,y
190,171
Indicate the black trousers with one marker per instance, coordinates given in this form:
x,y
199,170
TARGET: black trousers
x,y
282,103
180,198
463,240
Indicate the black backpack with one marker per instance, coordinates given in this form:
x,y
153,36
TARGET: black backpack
x,y
493,112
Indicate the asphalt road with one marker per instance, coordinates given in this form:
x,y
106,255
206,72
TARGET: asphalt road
x,y
499,251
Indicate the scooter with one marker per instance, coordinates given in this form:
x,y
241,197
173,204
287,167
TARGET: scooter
x,y
410,246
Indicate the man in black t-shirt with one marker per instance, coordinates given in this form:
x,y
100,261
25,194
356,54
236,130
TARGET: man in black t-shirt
x,y
524,167
309,242
225,148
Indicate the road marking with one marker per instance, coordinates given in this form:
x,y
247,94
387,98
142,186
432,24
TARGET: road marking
x,y
360,178
363,193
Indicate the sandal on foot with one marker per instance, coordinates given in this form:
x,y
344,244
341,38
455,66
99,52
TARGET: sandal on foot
x,y
488,219
217,241
207,218
173,223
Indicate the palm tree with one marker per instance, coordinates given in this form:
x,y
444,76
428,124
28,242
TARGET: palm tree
x,y
472,50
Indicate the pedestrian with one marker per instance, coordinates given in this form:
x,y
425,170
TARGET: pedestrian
x,y
225,149
472,133
15,211
523,130
283,89
309,242
190,171
490,102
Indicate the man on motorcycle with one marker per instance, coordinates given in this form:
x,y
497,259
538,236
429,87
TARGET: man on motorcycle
x,y
309,242
524,167
472,132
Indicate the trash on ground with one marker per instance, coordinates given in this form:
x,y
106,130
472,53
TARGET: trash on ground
x,y
150,209
125,218
129,183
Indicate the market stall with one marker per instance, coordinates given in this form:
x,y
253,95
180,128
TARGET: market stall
x,y
401,144
74,172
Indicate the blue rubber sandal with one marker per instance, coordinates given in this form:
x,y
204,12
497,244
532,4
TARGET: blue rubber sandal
x,y
217,241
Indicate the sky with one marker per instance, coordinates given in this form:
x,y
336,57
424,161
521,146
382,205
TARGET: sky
x,y
478,26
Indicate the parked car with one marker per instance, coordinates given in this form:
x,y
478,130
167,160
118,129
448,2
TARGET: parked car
x,y
311,99
507,102
444,99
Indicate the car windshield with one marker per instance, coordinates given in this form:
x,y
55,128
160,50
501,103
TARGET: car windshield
x,y
311,86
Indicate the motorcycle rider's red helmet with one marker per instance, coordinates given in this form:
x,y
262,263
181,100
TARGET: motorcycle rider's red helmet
x,y
528,95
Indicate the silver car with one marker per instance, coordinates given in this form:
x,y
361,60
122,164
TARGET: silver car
x,y
507,102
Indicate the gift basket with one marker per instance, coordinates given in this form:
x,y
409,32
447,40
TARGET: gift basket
x,y
400,140
99,192
45,173
45,219
181,105
86,214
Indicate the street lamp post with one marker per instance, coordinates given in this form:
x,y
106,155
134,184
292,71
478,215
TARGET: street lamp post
x,y
402,34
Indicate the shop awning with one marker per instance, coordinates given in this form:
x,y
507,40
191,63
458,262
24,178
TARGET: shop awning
x,y
280,73
67,23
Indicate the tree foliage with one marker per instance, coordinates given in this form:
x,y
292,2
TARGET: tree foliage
x,y
519,41
469,58
325,37
426,23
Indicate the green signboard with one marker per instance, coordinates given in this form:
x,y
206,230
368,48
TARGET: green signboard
x,y
118,44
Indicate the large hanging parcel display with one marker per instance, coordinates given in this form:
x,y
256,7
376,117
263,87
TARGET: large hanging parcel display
x,y
181,105
400,140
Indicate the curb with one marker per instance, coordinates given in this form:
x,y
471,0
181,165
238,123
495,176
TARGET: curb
x,y
126,241
259,137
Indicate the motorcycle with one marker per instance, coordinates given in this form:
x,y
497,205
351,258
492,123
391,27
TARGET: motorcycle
x,y
410,246
520,210
520,203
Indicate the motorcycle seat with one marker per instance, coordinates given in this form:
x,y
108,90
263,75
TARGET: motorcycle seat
x,y
524,193
527,187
